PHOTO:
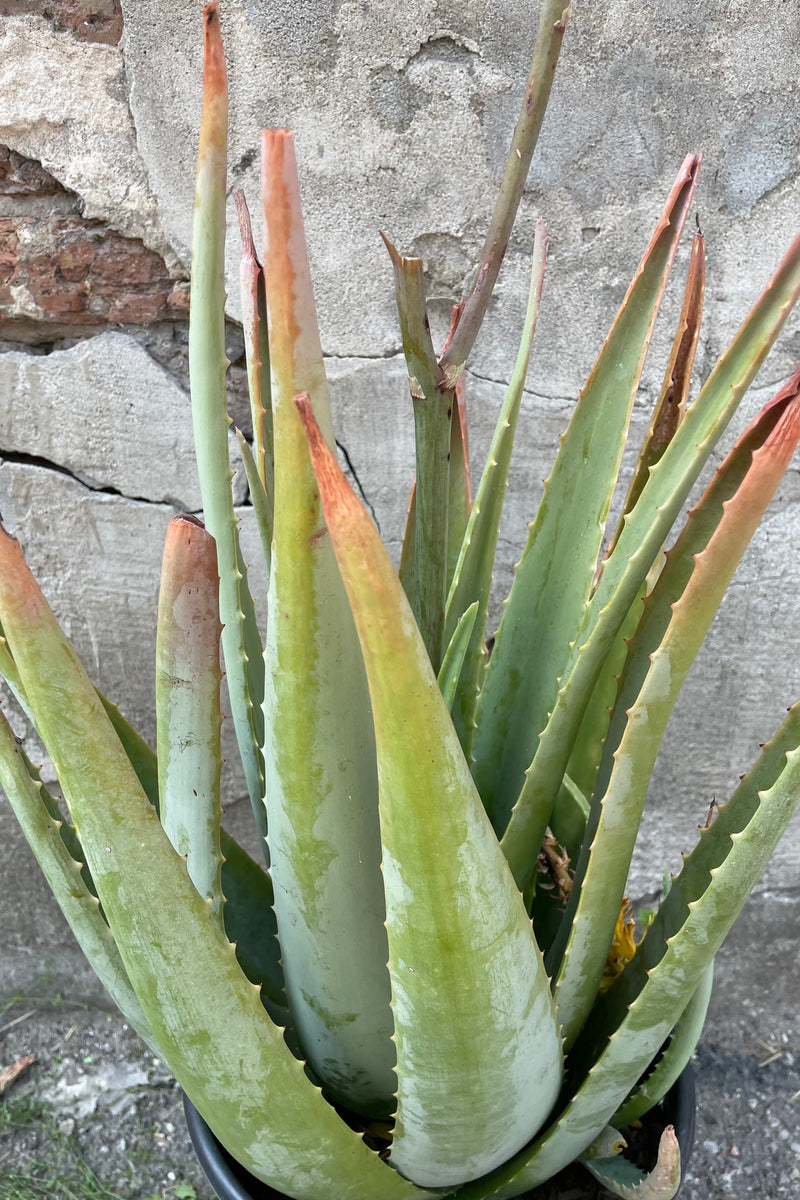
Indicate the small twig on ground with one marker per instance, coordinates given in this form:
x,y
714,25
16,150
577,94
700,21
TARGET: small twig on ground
x,y
9,1074
17,1020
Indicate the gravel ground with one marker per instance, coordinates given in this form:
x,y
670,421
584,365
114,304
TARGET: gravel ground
x,y
111,1124
96,1117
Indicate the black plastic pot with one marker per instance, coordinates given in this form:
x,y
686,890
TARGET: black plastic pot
x,y
232,1182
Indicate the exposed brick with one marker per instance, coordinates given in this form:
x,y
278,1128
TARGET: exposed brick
x,y
89,20
58,269
23,177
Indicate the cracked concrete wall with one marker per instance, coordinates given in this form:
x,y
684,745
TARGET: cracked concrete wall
x,y
402,114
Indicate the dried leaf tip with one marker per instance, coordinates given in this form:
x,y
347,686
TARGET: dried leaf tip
x,y
215,77
245,224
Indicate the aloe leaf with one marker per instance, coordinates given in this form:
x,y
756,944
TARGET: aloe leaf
x,y
241,644
206,1017
625,1180
667,986
250,925
320,750
716,538
698,870
36,812
459,502
188,715
671,404
471,1001
248,913
405,570
259,498
667,416
473,573
551,588
674,1057
434,403
640,542
256,345
453,661
672,477
552,23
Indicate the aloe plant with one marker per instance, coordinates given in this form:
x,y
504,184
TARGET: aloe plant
x,y
431,985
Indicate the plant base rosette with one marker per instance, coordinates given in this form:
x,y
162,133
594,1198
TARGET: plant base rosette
x,y
232,1182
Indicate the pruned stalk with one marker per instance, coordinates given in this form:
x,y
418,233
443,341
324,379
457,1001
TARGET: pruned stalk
x,y
188,715
434,405
552,23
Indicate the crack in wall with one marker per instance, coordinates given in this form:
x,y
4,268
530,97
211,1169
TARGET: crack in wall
x,y
18,457
343,451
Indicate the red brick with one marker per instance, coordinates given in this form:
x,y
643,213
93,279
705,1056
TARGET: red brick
x,y
57,268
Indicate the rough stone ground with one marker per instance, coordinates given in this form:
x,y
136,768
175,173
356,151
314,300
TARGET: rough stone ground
x,y
114,1130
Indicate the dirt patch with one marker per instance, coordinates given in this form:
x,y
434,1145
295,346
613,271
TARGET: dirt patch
x,y
96,1117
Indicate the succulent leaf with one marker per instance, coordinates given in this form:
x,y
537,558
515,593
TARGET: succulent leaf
x,y
727,526
710,852
206,1017
551,588
320,749
473,573
241,643
36,812
188,715
666,987
674,1057
260,500
459,502
453,661
256,346
670,407
625,1180
459,936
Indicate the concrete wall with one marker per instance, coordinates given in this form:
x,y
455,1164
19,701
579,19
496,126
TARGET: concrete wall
x,y
402,114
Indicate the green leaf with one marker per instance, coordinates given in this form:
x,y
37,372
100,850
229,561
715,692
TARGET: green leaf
x,y
241,644
667,986
551,587
698,871
206,1017
716,537
471,1001
261,502
625,1180
188,715
671,405
453,661
640,544
674,1057
459,503
256,347
472,579
36,812
320,750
